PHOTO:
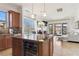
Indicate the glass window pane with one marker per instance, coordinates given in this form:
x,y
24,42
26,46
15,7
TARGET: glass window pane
x,y
2,16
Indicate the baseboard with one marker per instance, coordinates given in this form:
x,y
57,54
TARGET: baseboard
x,y
73,41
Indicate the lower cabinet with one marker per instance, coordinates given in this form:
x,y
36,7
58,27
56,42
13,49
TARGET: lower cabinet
x,y
5,42
17,46
8,40
1,42
26,47
45,48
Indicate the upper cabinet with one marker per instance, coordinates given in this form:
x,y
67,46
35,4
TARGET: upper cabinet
x,y
14,19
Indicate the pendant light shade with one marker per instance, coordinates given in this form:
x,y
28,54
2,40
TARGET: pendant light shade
x,y
44,14
32,16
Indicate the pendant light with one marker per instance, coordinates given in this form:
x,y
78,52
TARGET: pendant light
x,y
44,13
32,16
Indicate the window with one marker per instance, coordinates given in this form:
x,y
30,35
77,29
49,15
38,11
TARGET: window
x,y
29,25
3,16
3,20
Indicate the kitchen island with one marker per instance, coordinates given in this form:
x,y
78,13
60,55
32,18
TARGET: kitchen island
x,y
22,46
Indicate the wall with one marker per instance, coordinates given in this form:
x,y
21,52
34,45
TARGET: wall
x,y
7,7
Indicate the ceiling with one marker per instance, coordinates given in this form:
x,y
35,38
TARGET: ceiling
x,y
68,9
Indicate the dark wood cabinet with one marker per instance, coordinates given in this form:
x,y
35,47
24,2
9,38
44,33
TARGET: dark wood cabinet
x,y
8,40
5,42
14,19
17,47
46,48
4,45
43,49
51,47
1,42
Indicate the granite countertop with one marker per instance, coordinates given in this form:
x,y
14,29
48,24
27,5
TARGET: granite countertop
x,y
31,37
4,34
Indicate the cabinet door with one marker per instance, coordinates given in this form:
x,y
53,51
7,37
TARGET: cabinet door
x,y
43,49
16,19
4,41
51,48
17,47
8,42
46,48
1,43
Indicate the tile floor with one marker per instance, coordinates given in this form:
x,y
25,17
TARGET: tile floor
x,y
66,48
60,49
7,52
